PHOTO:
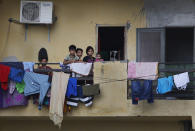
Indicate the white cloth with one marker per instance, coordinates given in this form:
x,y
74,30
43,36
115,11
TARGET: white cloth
x,y
58,91
181,80
28,66
81,68
12,86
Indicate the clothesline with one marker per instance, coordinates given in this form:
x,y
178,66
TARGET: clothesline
x,y
91,78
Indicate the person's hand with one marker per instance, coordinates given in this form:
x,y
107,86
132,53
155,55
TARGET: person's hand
x,y
72,61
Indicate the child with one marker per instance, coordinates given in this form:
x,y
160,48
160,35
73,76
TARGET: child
x,y
89,58
98,58
71,58
79,53
43,58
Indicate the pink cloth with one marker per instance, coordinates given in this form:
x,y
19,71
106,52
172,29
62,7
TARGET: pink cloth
x,y
143,70
99,60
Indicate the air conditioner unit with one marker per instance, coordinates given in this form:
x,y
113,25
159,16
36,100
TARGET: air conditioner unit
x,y
36,12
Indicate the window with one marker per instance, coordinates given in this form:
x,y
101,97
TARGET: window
x,y
179,44
111,42
173,44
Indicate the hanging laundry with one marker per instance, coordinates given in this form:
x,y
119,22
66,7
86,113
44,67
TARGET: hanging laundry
x,y
72,87
10,100
164,85
16,75
91,90
28,66
181,80
36,83
73,101
4,73
140,92
143,70
58,91
81,68
10,59
12,86
18,65
20,87
88,101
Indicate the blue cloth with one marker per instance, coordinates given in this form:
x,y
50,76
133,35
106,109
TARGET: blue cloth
x,y
72,87
164,85
141,92
36,83
18,65
79,91
16,75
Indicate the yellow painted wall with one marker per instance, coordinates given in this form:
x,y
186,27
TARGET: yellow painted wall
x,y
76,24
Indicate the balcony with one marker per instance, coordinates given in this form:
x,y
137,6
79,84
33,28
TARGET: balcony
x,y
171,69
115,100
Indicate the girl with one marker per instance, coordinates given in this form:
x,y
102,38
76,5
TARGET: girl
x,y
89,58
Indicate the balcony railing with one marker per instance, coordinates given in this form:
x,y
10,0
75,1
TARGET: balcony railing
x,y
170,69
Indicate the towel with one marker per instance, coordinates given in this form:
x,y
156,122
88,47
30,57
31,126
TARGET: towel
x,y
81,68
143,70
58,91
181,80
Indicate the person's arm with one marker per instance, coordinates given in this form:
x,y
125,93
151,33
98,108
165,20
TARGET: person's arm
x,y
68,62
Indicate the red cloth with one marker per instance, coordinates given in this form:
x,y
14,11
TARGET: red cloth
x,y
4,73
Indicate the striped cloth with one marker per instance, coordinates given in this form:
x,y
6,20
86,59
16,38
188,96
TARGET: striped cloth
x,y
36,83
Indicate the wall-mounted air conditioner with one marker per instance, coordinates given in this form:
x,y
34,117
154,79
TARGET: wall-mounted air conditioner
x,y
36,12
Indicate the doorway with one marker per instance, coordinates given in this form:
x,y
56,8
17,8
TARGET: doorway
x,y
111,42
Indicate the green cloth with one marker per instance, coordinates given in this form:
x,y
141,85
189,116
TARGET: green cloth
x,y
91,90
20,87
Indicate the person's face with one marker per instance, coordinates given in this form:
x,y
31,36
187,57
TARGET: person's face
x,y
90,52
44,61
79,53
72,52
98,56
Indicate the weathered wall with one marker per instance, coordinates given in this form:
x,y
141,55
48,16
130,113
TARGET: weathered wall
x,y
76,24
169,13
